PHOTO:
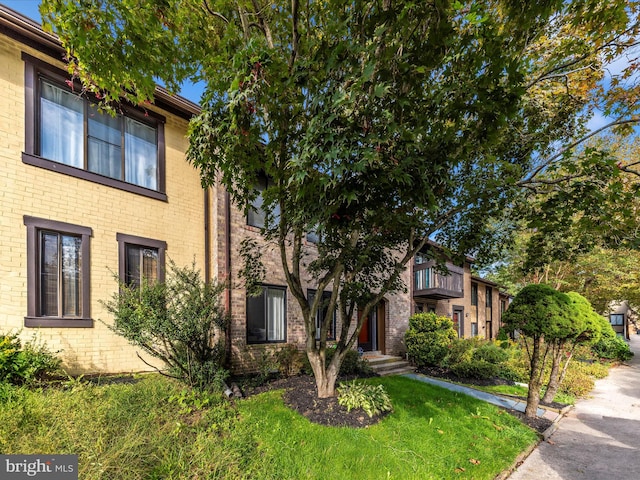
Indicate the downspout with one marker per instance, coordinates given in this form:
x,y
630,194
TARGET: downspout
x,y
207,237
227,215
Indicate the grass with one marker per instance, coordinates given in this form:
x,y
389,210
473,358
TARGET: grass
x,y
149,430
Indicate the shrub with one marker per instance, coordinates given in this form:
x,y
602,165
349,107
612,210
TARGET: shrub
x,y
428,338
289,361
373,399
176,322
460,350
576,382
491,353
612,348
480,369
24,364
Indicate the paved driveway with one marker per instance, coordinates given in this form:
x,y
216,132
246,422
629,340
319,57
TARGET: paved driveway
x,y
599,438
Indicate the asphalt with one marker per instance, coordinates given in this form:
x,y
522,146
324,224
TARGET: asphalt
x,y
599,438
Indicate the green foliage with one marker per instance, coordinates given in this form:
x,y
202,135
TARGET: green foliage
x,y
460,350
577,381
25,363
289,360
491,353
428,338
373,399
613,348
176,322
479,369
539,311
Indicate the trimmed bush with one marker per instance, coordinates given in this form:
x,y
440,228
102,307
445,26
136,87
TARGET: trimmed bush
x,y
429,338
289,360
491,353
24,364
373,399
576,382
460,350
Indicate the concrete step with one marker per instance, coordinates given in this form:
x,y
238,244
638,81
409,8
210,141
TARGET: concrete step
x,y
388,365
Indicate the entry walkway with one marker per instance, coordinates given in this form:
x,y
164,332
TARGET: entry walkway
x,y
498,400
599,438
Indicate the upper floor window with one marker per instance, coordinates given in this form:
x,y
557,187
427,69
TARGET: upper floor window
x,y
57,274
257,216
140,259
488,298
474,294
616,319
65,132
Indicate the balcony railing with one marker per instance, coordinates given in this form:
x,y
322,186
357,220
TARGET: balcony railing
x,y
430,283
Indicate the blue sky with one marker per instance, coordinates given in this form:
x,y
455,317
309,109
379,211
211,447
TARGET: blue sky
x,y
29,8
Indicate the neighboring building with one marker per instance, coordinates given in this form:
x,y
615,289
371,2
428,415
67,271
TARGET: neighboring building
x,y
623,318
85,196
475,305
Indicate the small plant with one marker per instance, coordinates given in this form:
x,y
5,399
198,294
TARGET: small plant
x,y
289,361
352,364
428,338
373,399
25,363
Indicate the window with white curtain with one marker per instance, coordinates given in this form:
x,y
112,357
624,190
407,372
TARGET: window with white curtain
x,y
66,133
266,316
117,147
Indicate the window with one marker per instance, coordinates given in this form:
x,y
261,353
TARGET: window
x,y
489,300
57,274
616,319
321,314
140,259
266,316
257,216
474,329
66,133
474,294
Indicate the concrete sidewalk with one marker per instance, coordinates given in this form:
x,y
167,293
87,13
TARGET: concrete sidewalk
x,y
599,438
498,400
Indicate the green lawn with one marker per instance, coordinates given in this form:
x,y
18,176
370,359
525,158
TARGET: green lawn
x,y
135,431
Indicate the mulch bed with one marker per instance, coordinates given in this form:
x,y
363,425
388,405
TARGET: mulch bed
x,y
300,395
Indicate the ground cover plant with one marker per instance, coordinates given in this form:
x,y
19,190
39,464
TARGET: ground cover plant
x,y
154,427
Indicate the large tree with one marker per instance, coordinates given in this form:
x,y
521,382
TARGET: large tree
x,y
378,124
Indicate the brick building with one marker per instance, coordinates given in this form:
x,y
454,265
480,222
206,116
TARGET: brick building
x,y
84,196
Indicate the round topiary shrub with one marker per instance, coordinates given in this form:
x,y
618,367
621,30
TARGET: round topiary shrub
x,y
429,338
479,369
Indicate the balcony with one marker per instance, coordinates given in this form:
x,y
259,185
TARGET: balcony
x,y
429,283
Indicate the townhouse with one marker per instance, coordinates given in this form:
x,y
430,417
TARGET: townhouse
x,y
85,196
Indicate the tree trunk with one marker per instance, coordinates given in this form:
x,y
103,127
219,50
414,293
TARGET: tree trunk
x,y
535,381
550,394
325,377
554,382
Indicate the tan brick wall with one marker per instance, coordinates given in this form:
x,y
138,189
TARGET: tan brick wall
x,y
28,190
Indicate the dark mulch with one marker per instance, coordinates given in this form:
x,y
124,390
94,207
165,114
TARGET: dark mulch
x,y
301,395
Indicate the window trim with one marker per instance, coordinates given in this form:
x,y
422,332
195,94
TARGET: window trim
x,y
33,70
265,288
33,318
474,294
124,240
621,315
